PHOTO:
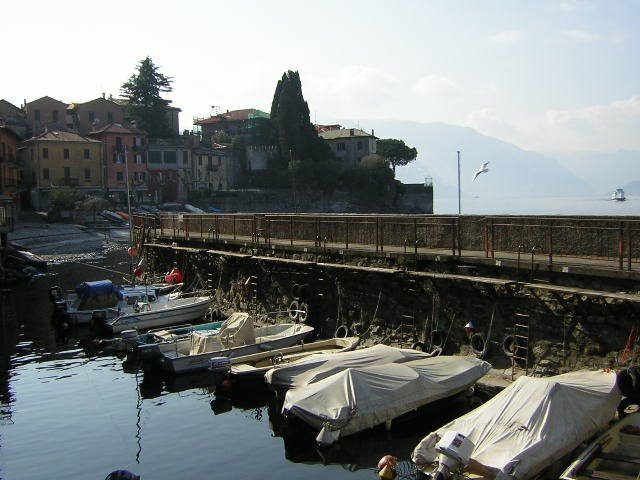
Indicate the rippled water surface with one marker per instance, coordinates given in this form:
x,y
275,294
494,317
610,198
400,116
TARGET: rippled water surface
x,y
69,410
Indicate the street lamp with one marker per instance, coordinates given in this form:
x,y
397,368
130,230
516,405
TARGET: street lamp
x,y
458,182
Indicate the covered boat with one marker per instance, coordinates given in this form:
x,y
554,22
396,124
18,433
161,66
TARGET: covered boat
x,y
615,454
237,337
358,398
531,424
321,365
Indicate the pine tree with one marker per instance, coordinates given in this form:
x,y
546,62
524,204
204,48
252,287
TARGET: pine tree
x,y
145,105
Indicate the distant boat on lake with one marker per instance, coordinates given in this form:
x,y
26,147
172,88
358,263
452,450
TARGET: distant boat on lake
x,y
618,195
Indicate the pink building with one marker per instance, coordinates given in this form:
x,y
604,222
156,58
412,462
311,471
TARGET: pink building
x,y
124,142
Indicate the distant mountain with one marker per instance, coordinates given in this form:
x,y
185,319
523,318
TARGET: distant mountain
x,y
605,171
512,171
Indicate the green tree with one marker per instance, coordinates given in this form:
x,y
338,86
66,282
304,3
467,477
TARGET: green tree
x,y
300,150
63,198
396,152
372,181
143,95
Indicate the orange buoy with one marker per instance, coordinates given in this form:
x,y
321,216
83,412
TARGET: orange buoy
x,y
132,251
387,467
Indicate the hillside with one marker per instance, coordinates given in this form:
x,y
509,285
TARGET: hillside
x,y
512,171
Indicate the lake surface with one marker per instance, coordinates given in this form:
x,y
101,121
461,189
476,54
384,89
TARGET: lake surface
x,y
71,411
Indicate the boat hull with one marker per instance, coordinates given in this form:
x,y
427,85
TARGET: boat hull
x,y
180,310
177,363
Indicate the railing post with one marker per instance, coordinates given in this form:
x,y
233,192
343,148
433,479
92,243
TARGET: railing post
x,y
486,237
629,245
453,237
382,235
377,233
550,244
491,238
267,228
201,219
233,226
346,242
291,229
621,246
458,236
415,235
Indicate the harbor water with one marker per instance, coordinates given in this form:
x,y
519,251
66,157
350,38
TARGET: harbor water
x,y
72,410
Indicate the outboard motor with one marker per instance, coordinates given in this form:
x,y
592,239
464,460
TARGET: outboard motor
x,y
55,294
454,451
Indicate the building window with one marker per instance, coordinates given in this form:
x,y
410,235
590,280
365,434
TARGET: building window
x,y
87,174
119,176
65,153
359,144
36,115
341,147
170,156
92,117
155,157
185,157
54,115
110,116
118,143
87,154
45,174
45,153
138,159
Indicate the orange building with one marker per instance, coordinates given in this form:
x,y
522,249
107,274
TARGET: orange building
x,y
10,169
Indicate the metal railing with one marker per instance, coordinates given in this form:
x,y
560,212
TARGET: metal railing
x,y
610,239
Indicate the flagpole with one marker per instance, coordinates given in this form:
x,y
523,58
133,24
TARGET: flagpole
x,y
126,174
458,182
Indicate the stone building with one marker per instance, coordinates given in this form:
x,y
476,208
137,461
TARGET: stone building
x,y
10,168
45,113
60,158
94,115
349,144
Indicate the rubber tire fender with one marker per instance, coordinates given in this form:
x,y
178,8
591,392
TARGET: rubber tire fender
x,y
303,312
305,292
295,291
342,331
437,339
626,403
510,344
419,346
293,310
624,380
479,345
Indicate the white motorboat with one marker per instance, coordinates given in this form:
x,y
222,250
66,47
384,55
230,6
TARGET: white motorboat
x,y
79,306
618,195
144,346
525,429
171,309
359,398
319,366
236,338
615,454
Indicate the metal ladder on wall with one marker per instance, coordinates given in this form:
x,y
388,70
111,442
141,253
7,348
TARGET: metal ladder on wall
x,y
252,288
521,332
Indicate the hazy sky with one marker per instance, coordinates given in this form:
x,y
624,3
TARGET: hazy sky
x,y
546,75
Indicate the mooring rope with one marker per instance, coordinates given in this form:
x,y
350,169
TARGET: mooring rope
x,y
101,268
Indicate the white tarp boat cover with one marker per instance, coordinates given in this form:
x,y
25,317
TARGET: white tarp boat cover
x,y
358,398
318,366
532,423
236,330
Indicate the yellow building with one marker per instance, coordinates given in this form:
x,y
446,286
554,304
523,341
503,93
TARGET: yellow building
x,y
62,159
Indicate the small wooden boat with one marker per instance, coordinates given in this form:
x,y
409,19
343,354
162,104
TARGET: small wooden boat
x,y
254,366
238,337
613,455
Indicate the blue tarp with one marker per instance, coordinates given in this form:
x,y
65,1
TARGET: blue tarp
x,y
97,289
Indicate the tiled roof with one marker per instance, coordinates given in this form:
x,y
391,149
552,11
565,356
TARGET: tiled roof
x,y
46,97
62,136
236,115
326,128
344,133
118,128
10,108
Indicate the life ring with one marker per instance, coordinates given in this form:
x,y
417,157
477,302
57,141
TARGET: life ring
x,y
342,331
419,346
293,310
303,311
510,344
479,345
305,292
437,339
